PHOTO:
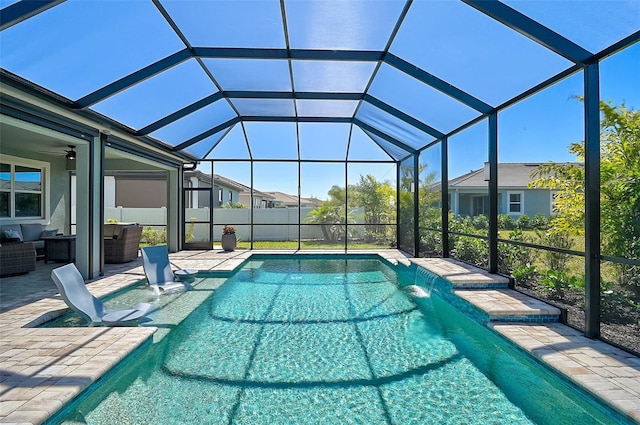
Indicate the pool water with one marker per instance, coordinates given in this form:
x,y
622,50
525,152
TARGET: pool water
x,y
327,341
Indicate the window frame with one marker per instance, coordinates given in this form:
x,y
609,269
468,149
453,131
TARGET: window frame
x,y
521,203
45,190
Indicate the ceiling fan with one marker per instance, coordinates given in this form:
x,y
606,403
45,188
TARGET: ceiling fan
x,y
71,153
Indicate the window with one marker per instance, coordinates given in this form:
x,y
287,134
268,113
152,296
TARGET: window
x,y
22,189
230,197
515,202
220,196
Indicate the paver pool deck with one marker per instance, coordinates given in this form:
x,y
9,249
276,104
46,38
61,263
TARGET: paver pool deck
x,y
42,369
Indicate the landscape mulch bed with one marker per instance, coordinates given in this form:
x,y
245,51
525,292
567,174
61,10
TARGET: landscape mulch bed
x,y
620,322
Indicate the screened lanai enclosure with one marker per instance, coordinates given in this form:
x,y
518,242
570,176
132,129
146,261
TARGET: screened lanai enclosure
x,y
503,134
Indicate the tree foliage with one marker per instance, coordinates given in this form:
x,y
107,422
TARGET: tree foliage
x,y
619,186
568,182
377,198
331,215
620,180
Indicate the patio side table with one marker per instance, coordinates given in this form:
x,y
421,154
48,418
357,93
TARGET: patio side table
x,y
60,249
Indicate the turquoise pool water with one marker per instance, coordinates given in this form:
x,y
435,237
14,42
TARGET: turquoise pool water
x,y
326,341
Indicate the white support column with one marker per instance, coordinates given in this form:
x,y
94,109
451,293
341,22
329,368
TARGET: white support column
x,y
88,211
174,209
194,194
109,191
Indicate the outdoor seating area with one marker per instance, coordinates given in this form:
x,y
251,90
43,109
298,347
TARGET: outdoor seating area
x,y
160,276
75,294
20,245
17,258
122,245
27,232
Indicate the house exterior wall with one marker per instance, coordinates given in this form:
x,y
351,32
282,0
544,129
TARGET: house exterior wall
x,y
258,202
537,202
228,195
534,201
245,199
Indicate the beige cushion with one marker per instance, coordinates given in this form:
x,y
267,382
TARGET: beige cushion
x,y
109,229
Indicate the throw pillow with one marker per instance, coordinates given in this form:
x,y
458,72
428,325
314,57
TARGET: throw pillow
x,y
48,233
12,235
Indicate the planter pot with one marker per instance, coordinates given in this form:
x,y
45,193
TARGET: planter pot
x,y
229,242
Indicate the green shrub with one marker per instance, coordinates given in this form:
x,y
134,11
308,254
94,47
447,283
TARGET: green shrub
x,y
524,273
382,238
470,249
237,205
480,222
539,221
512,256
430,243
614,306
556,261
154,237
189,232
505,222
523,222
558,283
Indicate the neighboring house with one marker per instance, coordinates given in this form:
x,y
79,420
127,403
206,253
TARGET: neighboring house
x,y
468,194
260,199
291,201
225,191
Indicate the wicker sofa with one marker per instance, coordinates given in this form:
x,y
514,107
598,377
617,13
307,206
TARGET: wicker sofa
x,y
17,258
27,232
121,245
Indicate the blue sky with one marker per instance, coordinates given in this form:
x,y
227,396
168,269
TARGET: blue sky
x,y
448,39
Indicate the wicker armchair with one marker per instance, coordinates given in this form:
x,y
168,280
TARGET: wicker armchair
x,y
125,247
17,258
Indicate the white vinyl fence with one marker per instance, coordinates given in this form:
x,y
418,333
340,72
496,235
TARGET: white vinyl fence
x,y
273,224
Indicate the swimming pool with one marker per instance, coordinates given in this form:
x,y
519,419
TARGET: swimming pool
x,y
340,340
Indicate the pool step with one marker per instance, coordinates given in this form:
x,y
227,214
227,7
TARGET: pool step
x,y
507,305
461,275
488,293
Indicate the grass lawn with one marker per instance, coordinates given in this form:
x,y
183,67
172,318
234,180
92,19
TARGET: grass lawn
x,y
575,264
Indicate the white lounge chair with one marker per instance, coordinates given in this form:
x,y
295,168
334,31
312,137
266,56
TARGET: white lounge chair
x,y
74,292
155,260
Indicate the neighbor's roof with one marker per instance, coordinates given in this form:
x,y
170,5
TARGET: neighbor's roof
x,y
218,179
247,189
510,175
295,80
287,199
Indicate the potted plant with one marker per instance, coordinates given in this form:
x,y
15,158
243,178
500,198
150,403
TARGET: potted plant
x,y
229,238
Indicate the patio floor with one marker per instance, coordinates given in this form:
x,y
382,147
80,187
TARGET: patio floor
x,y
41,369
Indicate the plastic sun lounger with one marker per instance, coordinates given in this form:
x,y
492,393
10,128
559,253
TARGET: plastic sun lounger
x,y
155,260
74,292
